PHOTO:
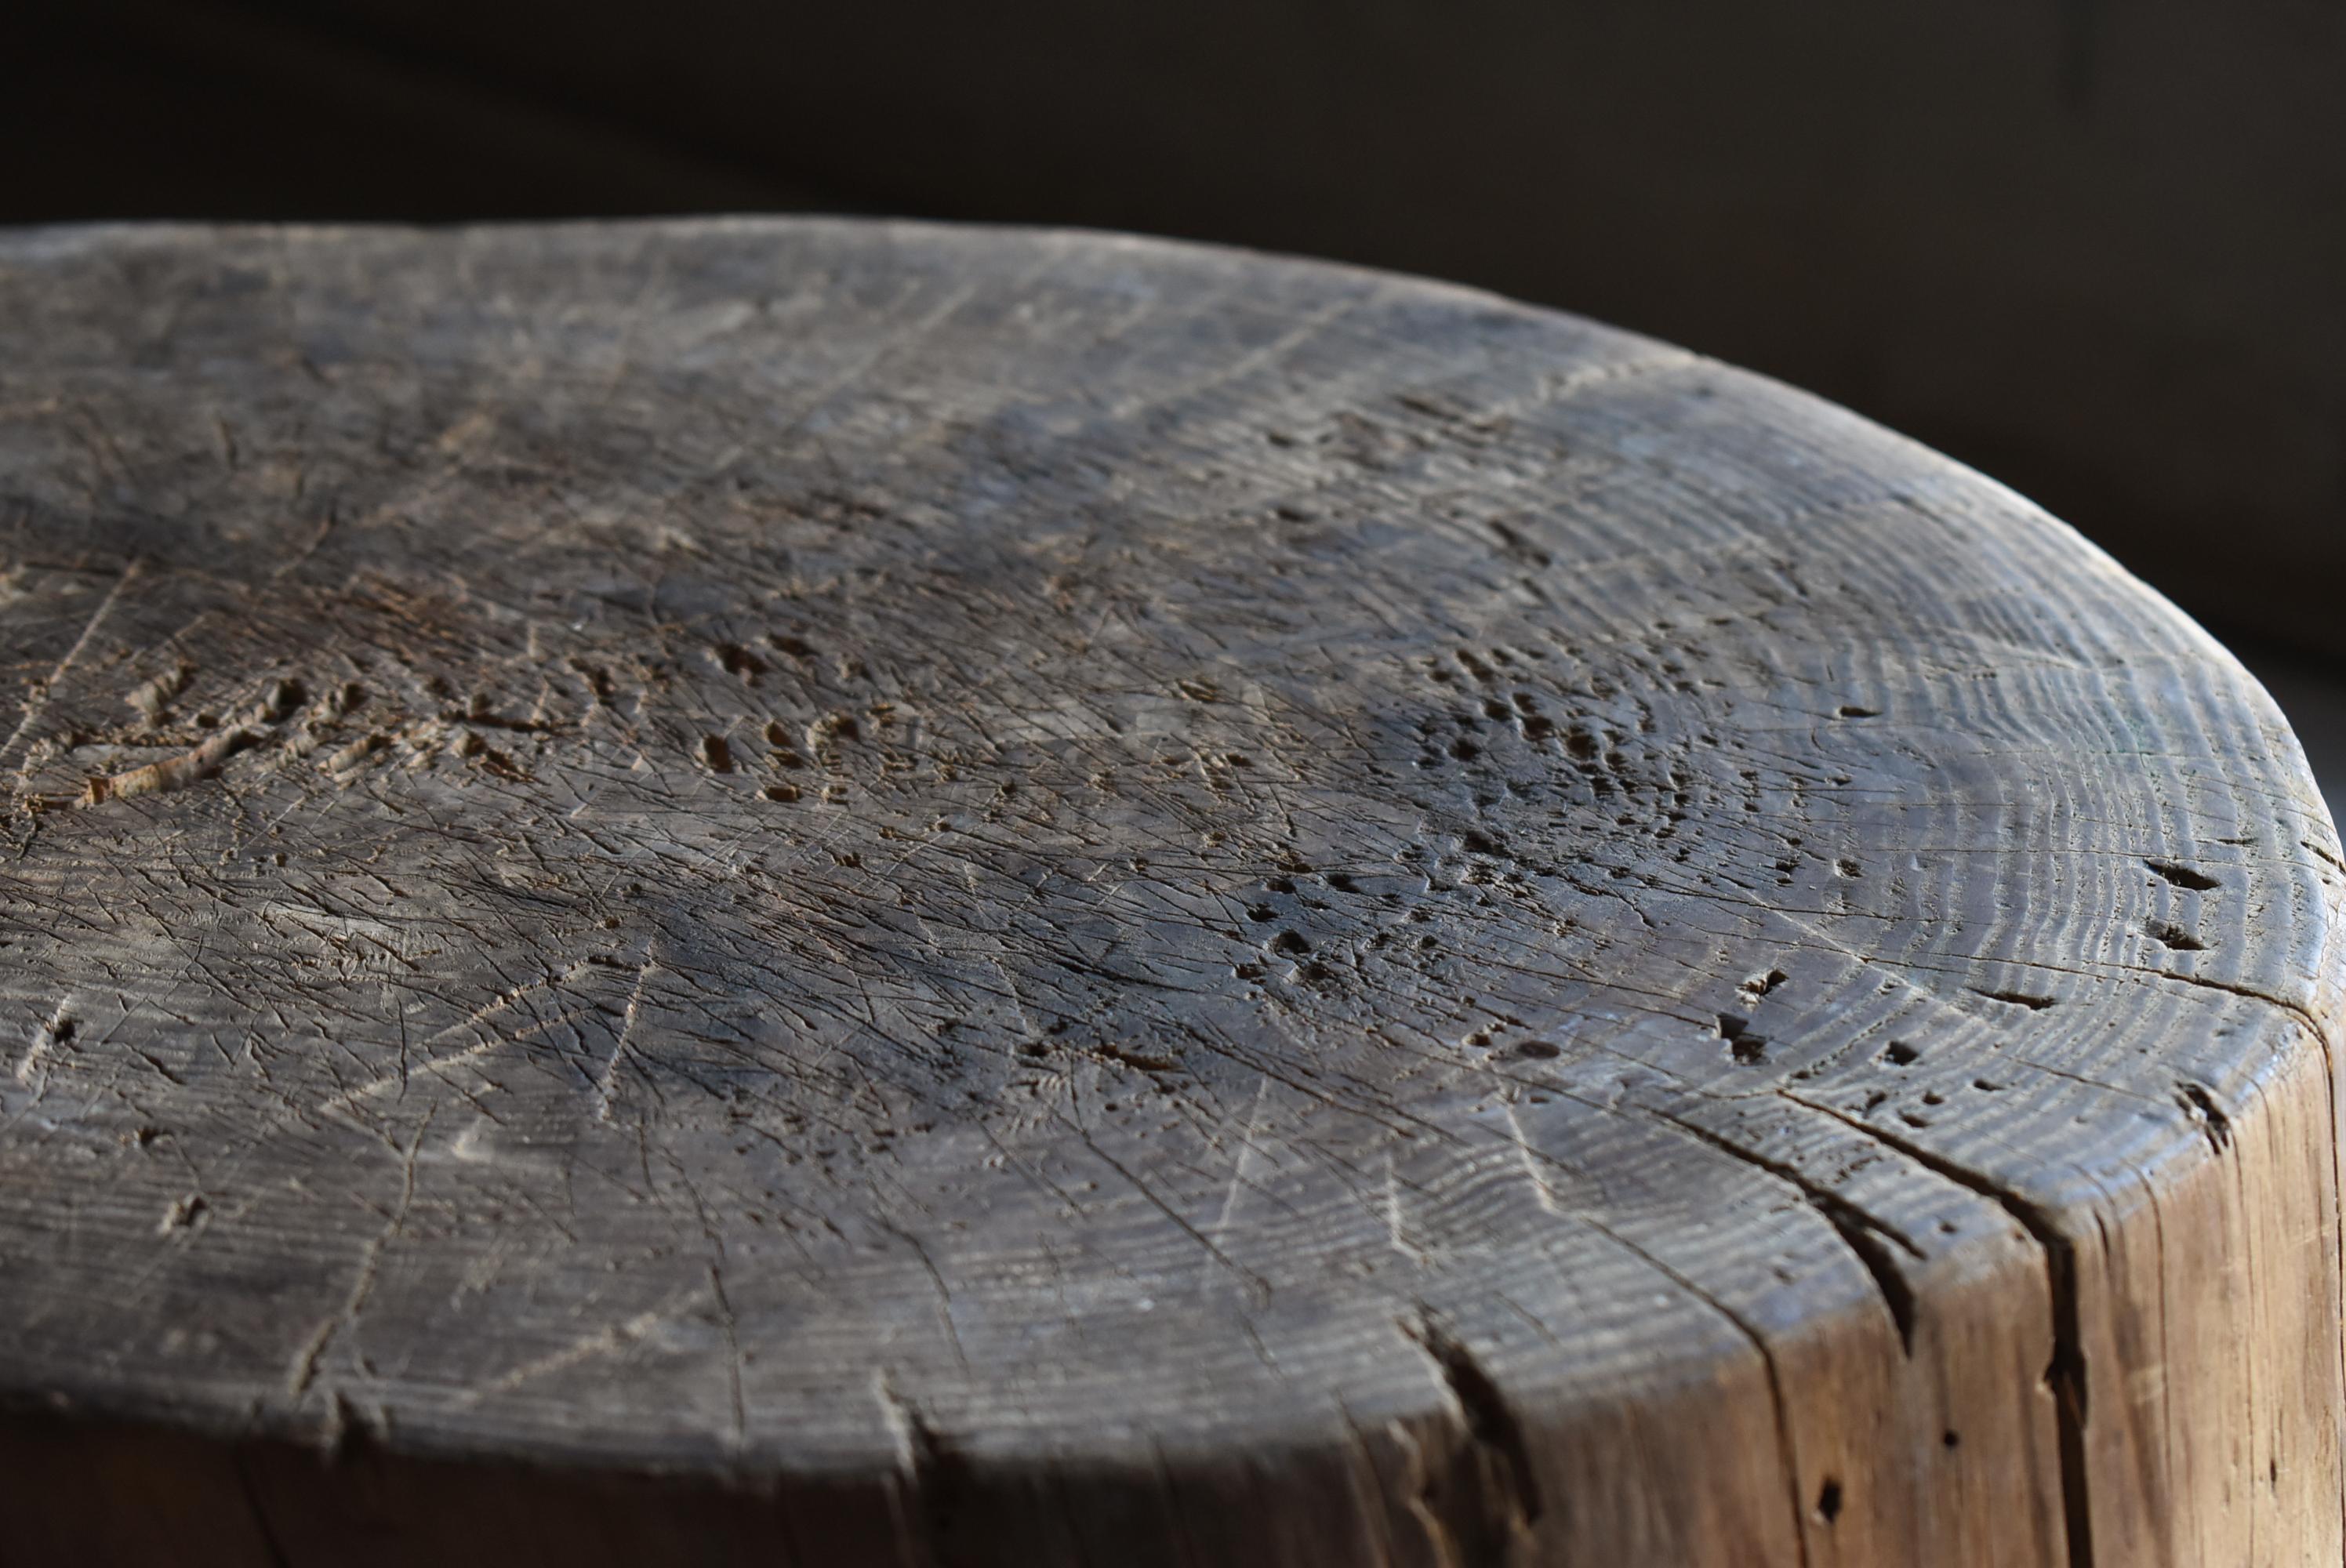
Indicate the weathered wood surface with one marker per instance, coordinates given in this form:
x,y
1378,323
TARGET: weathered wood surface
x,y
837,893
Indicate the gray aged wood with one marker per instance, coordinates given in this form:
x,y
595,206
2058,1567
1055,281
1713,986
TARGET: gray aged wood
x,y
802,891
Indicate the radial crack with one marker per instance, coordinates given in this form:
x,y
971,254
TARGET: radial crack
x,y
2066,1373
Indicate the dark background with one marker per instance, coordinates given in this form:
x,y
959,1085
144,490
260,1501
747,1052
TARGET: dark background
x,y
2098,249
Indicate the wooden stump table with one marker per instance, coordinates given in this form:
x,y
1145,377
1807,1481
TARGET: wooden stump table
x,y
814,892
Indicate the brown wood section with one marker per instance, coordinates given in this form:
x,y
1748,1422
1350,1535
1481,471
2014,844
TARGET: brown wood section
x,y
837,892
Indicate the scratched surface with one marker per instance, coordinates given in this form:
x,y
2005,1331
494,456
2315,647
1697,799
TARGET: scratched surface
x,y
1082,881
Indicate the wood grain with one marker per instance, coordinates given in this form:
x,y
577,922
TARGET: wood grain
x,y
829,892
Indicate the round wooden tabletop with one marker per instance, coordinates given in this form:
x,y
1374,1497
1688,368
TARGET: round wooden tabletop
x,y
838,893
